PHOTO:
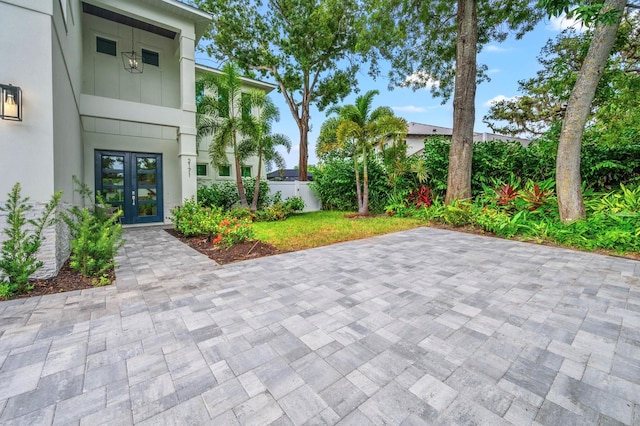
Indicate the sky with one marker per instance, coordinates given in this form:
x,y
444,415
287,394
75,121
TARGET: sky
x,y
507,62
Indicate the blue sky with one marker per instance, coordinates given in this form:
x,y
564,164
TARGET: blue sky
x,y
507,62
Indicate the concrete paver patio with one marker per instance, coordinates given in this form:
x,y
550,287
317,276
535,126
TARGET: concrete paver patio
x,y
419,327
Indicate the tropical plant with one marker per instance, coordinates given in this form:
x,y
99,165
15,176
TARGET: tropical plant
x,y
222,115
360,129
18,253
262,142
96,234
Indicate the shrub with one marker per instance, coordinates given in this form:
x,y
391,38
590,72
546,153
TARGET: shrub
x,y
335,183
193,219
294,204
96,235
233,231
219,194
18,253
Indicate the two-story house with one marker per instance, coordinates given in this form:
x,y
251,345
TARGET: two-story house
x,y
106,92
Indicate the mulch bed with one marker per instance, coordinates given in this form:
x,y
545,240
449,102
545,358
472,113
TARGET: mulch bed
x,y
66,280
237,252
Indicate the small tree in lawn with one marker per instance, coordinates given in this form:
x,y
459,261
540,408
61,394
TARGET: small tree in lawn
x,y
220,116
262,142
358,130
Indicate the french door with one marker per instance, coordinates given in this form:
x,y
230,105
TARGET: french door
x,y
131,182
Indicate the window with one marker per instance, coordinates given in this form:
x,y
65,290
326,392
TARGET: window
x,y
246,105
223,106
103,45
224,171
151,58
246,171
201,169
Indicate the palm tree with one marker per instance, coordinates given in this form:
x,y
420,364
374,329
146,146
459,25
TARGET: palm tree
x,y
262,143
357,130
220,116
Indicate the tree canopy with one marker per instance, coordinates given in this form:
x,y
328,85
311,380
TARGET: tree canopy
x,y
615,107
306,46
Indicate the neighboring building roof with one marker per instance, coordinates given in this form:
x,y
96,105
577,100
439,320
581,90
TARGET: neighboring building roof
x,y
286,175
246,81
426,130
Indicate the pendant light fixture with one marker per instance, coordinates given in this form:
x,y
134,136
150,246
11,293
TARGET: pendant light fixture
x,y
131,60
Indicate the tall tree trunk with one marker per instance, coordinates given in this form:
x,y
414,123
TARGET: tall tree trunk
x,y
460,155
364,210
304,146
358,189
243,197
256,189
568,180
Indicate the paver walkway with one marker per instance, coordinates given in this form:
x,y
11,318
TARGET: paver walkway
x,y
419,327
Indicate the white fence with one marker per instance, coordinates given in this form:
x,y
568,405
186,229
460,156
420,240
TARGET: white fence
x,y
296,188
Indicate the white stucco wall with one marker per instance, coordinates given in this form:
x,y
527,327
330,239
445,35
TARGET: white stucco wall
x,y
26,147
104,75
115,135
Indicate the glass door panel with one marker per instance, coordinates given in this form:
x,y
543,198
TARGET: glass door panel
x,y
131,182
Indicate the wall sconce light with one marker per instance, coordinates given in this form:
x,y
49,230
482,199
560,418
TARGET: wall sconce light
x,y
10,102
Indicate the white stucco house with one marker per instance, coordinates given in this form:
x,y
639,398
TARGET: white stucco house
x,y
108,95
418,132
207,174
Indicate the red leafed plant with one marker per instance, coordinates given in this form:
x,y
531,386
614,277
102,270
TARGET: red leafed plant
x,y
506,194
536,197
421,197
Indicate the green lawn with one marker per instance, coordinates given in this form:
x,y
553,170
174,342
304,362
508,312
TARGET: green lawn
x,y
307,230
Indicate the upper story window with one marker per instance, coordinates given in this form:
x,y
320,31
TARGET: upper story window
x,y
150,57
201,169
246,105
106,46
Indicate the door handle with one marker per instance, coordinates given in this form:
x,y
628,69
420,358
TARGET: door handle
x,y
133,197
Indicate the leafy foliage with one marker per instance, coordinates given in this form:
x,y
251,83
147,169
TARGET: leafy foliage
x,y
506,194
602,166
333,181
193,219
279,210
220,116
18,253
262,143
421,197
356,131
615,110
225,194
305,46
96,234
232,231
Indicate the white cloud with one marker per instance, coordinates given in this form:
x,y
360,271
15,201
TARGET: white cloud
x,y
561,23
493,70
495,49
421,79
409,108
497,99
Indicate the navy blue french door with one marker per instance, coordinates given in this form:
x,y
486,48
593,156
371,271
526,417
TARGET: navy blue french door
x,y
131,182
